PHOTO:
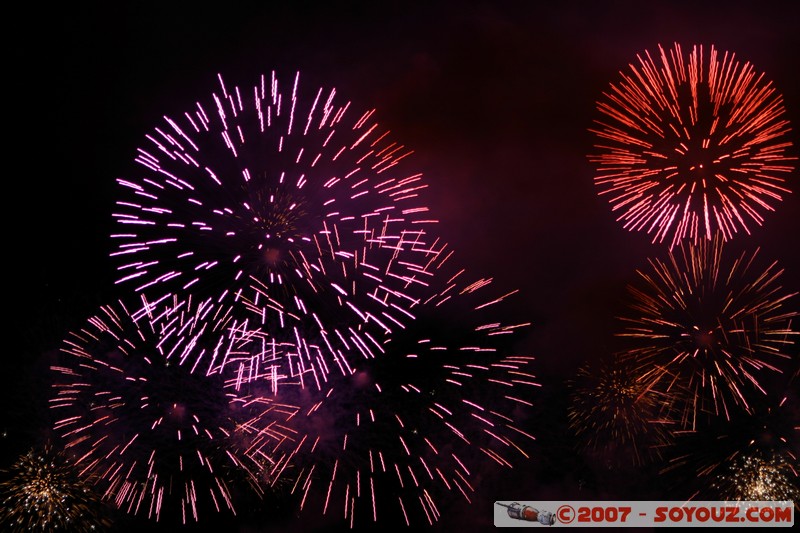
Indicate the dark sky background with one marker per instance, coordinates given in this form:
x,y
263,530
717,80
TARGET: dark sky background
x,y
495,98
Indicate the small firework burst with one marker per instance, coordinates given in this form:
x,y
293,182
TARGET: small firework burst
x,y
615,416
42,491
140,404
760,478
691,144
709,325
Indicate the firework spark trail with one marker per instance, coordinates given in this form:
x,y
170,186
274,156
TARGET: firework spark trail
x,y
140,405
44,492
262,189
710,325
690,145
403,430
611,409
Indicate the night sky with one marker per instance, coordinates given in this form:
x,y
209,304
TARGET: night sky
x,y
495,99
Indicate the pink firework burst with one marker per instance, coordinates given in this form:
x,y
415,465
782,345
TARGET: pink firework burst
x,y
281,190
403,432
691,144
140,405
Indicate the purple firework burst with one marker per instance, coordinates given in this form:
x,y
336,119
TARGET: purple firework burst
x,y
278,190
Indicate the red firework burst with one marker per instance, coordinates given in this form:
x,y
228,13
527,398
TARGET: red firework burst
x,y
690,144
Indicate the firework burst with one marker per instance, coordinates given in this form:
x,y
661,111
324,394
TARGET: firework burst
x,y
140,405
759,478
691,144
403,430
43,492
712,326
614,414
283,191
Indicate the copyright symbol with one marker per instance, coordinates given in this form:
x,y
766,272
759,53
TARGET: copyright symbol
x,y
565,514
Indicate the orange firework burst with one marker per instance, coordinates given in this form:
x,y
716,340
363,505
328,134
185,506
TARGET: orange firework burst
x,y
44,492
611,410
709,326
690,144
